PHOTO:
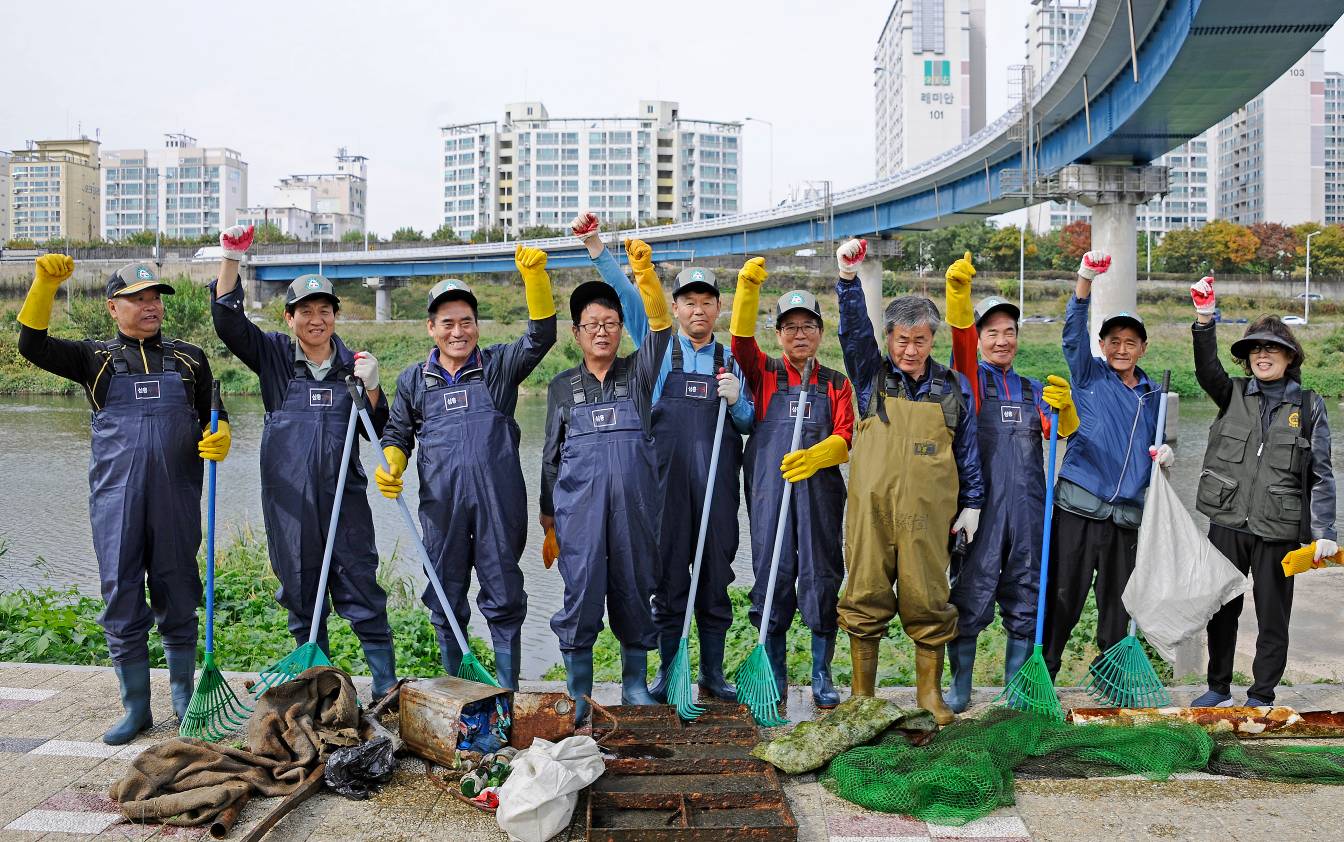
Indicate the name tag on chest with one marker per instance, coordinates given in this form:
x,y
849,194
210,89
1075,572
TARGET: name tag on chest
x,y
147,390
319,397
454,400
697,389
1010,414
604,417
925,448
793,410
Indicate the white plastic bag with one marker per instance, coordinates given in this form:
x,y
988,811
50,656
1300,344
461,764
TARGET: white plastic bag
x,y
537,801
1180,580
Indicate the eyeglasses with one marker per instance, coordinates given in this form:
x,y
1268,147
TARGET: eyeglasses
x,y
809,329
1267,348
591,328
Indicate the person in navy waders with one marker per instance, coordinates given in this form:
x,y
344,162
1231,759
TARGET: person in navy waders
x,y
811,566
151,401
696,371
307,410
1013,416
599,483
459,405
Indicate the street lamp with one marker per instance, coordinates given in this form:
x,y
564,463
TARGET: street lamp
x,y
1306,299
772,153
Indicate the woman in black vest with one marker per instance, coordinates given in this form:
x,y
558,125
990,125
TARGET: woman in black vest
x,y
1267,485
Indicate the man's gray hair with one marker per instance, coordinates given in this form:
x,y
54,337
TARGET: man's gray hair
x,y
912,311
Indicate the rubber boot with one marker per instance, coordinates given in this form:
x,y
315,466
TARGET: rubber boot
x,y
777,648
634,674
863,662
1015,653
449,655
667,651
181,676
506,665
134,679
712,681
579,681
383,667
961,655
928,681
823,690
322,642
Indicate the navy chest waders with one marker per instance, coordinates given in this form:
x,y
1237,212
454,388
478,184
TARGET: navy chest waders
x,y
606,521
810,554
684,419
301,449
473,508
145,508
1003,560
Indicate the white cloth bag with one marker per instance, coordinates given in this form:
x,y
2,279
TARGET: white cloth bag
x,y
538,799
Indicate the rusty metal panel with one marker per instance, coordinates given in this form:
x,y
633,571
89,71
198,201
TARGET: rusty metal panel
x,y
1244,722
690,817
549,716
430,710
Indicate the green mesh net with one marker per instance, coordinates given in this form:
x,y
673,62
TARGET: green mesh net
x,y
967,770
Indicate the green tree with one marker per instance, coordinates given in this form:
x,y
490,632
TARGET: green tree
x,y
1004,245
407,234
445,234
268,233
1229,247
540,232
1184,250
496,234
352,236
139,238
1327,249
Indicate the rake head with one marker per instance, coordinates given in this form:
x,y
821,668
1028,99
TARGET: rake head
x,y
471,670
215,711
679,684
1123,677
756,688
306,657
1032,690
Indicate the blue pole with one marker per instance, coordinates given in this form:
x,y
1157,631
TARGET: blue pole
x,y
212,467
1045,536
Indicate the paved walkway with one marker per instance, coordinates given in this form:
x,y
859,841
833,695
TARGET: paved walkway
x,y
55,773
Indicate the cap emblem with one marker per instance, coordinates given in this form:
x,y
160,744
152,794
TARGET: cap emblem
x,y
143,274
314,283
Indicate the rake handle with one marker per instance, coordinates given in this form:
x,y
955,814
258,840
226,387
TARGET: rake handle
x,y
212,470
1045,534
1158,437
335,517
784,507
704,520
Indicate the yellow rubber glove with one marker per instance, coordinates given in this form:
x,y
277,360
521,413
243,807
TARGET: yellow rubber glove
x,y
550,549
52,271
646,281
747,299
1059,394
959,311
827,453
531,265
390,484
215,446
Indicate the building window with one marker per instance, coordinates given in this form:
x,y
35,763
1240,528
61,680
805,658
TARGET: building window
x,y
928,31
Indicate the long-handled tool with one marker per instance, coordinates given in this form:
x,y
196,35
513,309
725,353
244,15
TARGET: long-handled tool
x,y
1123,676
755,678
214,711
1032,689
470,668
310,654
679,672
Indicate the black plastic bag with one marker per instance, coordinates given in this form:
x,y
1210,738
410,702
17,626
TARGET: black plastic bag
x,y
357,771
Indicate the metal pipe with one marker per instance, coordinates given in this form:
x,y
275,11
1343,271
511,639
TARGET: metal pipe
x,y
1133,49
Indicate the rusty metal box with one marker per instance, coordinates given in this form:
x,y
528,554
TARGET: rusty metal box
x,y
430,709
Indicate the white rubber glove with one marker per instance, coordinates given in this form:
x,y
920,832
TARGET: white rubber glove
x,y
1201,292
366,369
1094,263
1164,456
730,387
850,254
1325,548
969,520
584,225
236,240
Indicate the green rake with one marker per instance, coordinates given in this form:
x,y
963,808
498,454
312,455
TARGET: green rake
x,y
1032,689
1123,676
470,668
755,679
679,671
310,654
215,711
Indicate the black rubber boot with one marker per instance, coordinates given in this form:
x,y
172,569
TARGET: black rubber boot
x,y
579,681
181,676
823,690
383,667
634,674
777,647
134,680
506,665
449,655
961,655
1016,651
712,681
667,651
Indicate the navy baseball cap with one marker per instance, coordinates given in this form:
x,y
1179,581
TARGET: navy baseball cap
x,y
589,291
1124,319
134,277
450,289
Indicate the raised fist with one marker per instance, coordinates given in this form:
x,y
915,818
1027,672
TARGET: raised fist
x,y
753,272
1201,292
236,240
366,369
960,272
527,258
584,224
54,269
850,254
1094,263
639,254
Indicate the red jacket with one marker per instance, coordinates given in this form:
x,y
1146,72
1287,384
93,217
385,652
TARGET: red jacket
x,y
752,359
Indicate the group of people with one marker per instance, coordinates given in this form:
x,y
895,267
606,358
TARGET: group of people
x,y
942,515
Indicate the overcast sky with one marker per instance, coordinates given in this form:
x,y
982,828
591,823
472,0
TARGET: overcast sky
x,y
286,83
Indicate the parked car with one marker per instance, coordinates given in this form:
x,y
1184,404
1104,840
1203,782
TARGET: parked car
x,y
1315,296
208,254
1294,320
1038,320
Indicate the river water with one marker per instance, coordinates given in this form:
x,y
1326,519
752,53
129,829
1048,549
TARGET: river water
x,y
44,501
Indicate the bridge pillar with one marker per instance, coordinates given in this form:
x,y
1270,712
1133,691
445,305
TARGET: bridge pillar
x,y
253,289
1113,192
382,295
870,278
